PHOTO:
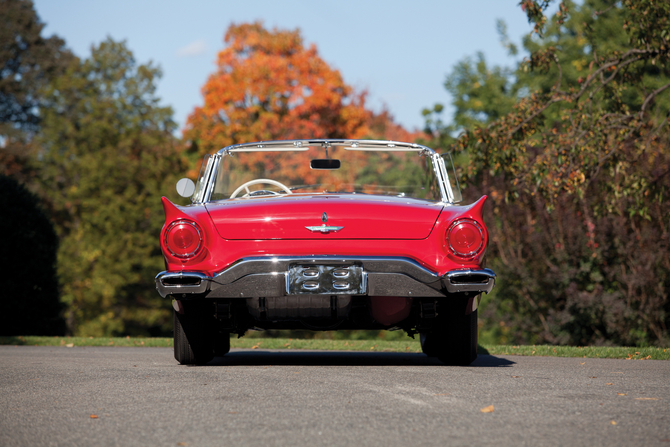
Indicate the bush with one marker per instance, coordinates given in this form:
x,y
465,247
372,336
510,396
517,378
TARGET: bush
x,y
31,303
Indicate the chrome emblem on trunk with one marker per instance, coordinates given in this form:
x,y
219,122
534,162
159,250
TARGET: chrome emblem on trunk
x,y
324,228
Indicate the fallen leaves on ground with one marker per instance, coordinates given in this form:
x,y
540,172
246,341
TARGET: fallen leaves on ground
x,y
621,394
94,416
613,422
488,409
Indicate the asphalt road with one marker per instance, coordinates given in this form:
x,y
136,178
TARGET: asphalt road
x,y
141,396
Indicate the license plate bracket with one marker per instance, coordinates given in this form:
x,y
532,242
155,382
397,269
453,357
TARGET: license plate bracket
x,y
307,279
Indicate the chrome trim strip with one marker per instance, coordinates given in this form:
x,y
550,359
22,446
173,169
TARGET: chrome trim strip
x,y
211,177
297,145
442,176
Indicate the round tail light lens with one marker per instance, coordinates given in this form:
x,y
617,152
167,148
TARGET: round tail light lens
x,y
183,239
465,238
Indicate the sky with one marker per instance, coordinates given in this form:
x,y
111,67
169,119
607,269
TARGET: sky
x,y
399,51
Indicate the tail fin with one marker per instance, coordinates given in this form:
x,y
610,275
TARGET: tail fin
x,y
172,211
475,211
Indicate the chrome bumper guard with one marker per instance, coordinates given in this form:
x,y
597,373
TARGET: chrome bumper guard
x,y
375,276
470,281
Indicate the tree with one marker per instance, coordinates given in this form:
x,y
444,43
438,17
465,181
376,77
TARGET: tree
x,y
28,62
30,288
107,154
382,126
268,86
578,170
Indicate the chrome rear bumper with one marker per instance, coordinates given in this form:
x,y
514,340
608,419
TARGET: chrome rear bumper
x,y
381,276
481,280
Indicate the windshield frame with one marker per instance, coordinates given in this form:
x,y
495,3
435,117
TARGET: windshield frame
x,y
208,176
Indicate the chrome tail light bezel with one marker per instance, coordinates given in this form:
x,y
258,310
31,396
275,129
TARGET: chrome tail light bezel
x,y
198,231
473,253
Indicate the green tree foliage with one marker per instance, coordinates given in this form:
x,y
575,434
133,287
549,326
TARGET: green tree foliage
x,y
578,170
28,62
30,287
107,155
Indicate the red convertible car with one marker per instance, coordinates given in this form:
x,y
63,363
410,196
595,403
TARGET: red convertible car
x,y
324,234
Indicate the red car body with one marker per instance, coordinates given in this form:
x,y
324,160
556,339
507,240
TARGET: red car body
x,y
324,260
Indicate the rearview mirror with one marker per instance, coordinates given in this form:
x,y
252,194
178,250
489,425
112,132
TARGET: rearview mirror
x,y
185,187
323,163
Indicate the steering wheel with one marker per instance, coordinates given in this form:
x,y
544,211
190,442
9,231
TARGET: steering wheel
x,y
246,185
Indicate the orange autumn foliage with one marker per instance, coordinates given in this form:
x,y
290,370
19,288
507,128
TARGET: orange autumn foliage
x,y
269,86
381,126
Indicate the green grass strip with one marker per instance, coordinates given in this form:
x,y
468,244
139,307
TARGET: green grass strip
x,y
590,352
408,345
36,340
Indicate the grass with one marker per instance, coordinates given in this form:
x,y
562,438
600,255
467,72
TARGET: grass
x,y
36,340
377,345
602,352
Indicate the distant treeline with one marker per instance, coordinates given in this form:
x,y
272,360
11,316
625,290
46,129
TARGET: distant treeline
x,y
571,145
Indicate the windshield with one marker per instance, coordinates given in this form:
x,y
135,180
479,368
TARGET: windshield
x,y
263,174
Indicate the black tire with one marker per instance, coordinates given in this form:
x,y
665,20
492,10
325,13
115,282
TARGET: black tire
x,y
428,344
454,340
193,341
222,344
460,345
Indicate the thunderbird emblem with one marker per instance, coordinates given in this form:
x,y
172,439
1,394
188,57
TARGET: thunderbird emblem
x,y
324,228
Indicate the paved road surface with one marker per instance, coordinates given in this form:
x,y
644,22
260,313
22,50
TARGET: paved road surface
x,y
304,398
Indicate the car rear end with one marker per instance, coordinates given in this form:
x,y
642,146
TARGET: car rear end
x,y
356,247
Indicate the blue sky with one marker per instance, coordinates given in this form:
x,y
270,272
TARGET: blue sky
x,y
400,51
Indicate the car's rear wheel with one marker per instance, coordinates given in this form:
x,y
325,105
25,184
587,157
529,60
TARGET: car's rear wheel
x,y
454,340
193,341
428,344
222,344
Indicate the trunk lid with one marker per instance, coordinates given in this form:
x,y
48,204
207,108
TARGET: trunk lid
x,y
361,217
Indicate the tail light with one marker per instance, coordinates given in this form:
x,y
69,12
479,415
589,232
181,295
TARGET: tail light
x,y
183,239
465,238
